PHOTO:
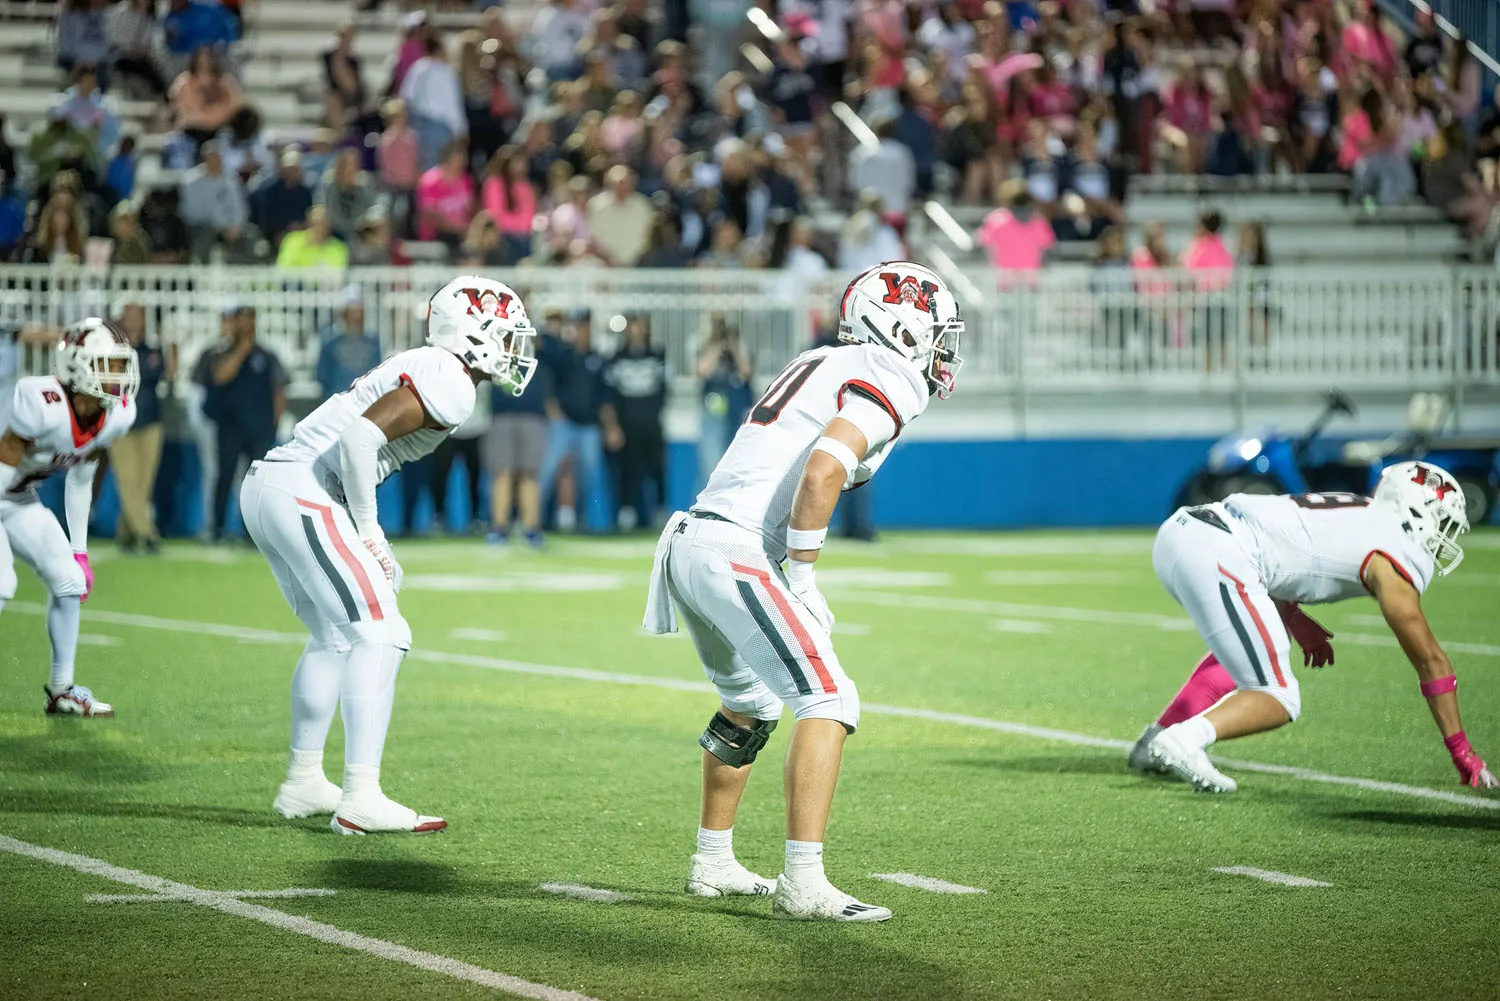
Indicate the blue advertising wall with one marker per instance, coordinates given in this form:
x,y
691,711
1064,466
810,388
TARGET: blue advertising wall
x,y
1083,482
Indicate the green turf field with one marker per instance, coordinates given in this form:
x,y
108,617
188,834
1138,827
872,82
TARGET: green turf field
x,y
559,743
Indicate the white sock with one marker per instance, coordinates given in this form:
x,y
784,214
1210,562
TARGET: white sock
x,y
305,764
716,844
369,690
1198,731
63,614
315,695
804,860
361,779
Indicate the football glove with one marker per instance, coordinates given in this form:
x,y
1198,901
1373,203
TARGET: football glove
x,y
1472,771
800,578
82,559
1310,636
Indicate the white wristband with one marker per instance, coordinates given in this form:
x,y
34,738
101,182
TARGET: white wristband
x,y
841,452
798,538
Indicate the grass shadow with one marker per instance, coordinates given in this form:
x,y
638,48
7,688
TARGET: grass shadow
x,y
1088,763
67,749
1476,821
84,805
399,875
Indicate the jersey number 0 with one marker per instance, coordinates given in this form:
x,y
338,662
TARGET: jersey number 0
x,y
781,391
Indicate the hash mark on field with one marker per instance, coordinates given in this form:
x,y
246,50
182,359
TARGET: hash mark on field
x,y
480,635
159,898
1019,626
580,892
702,687
925,883
226,904
98,639
1270,876
850,629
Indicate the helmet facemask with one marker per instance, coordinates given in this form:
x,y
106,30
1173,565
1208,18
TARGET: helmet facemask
x,y
942,370
95,359
1430,504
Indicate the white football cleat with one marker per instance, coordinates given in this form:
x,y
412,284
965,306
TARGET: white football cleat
x,y
306,796
821,901
377,813
1140,760
714,878
1189,763
77,701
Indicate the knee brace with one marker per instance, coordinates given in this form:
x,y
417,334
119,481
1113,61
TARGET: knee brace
x,y
732,744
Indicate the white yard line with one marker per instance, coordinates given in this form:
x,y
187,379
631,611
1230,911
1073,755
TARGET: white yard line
x,y
1028,578
1099,616
850,629
164,898
1270,876
925,883
683,685
226,904
580,892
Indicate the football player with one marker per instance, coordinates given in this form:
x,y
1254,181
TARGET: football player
x,y
309,505
66,420
1242,569
739,568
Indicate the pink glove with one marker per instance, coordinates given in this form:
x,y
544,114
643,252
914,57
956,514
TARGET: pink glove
x,y
82,559
1310,636
1472,771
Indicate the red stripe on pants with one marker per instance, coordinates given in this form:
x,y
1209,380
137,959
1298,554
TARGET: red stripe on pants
x,y
1260,626
809,650
360,577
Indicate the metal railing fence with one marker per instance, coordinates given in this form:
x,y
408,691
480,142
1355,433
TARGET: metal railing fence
x,y
1420,327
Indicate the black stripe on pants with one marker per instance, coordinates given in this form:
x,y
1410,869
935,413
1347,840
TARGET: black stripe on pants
x,y
1239,628
321,555
767,626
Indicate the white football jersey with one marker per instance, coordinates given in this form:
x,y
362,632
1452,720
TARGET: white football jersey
x,y
1313,548
439,379
868,385
39,413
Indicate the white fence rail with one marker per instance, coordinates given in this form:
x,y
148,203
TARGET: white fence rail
x,y
1422,327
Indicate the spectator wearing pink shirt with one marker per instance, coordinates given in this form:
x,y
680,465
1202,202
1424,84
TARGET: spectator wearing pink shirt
x,y
510,199
413,46
1366,43
398,163
445,197
1017,237
1213,264
1189,120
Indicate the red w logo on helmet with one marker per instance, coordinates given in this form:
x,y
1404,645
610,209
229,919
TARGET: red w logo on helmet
x,y
488,303
1440,486
905,288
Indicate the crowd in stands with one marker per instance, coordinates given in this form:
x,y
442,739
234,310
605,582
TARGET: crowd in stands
x,y
601,138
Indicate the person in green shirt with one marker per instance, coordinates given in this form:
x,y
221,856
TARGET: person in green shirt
x,y
313,246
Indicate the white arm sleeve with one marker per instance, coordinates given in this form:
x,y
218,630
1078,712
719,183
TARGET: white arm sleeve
x,y
78,498
359,447
873,421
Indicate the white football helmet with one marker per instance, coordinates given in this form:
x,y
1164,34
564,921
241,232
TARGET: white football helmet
x,y
1430,504
95,358
484,322
909,309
